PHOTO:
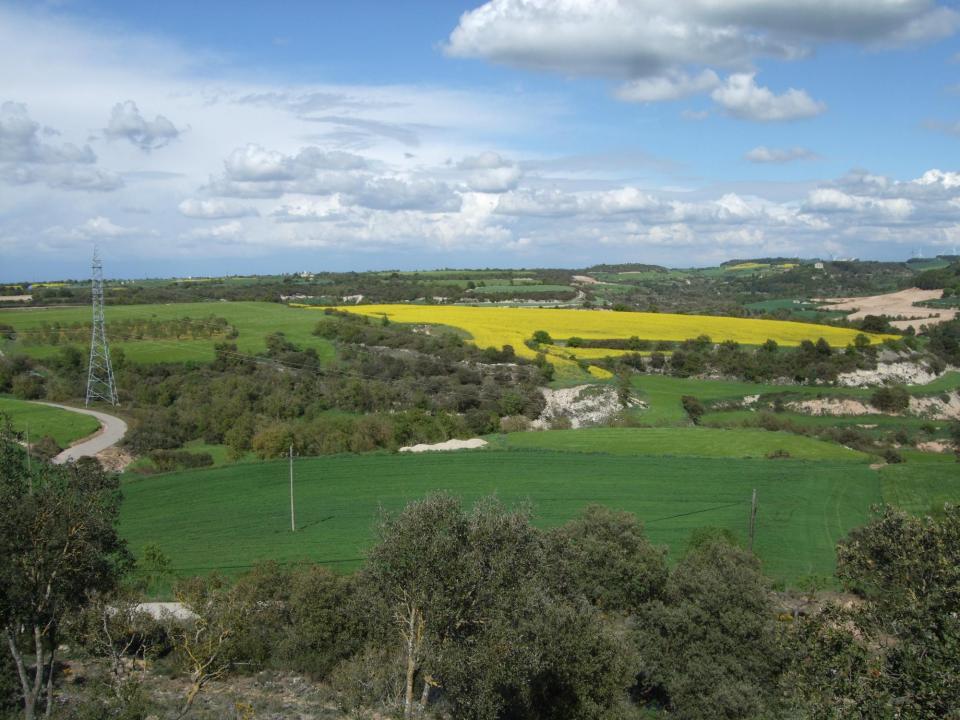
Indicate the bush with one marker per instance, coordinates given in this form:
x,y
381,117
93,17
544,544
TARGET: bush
x,y
693,407
893,457
167,460
542,337
893,398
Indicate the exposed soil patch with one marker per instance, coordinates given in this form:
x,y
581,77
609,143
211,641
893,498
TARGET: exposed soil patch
x,y
937,407
471,444
895,305
583,405
904,373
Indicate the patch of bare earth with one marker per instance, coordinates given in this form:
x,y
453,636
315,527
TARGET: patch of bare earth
x,y
897,304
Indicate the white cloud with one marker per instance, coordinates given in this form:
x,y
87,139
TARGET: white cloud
x,y
667,50
127,123
743,98
489,172
20,141
764,154
26,159
226,232
388,193
830,200
670,86
214,209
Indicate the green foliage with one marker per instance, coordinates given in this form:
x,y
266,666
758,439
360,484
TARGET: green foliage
x,y
900,647
542,337
710,649
475,614
890,398
693,408
604,556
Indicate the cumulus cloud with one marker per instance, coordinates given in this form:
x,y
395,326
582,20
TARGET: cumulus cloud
x,y
214,209
225,232
253,171
98,228
388,193
20,140
670,86
126,123
764,154
489,172
25,158
829,200
667,50
743,98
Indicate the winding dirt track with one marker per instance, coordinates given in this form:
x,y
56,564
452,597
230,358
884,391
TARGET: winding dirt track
x,y
112,429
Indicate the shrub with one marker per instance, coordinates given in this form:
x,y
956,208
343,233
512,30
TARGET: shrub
x,y
893,398
891,456
693,407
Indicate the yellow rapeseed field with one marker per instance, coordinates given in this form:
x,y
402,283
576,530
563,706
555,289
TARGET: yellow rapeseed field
x,y
498,326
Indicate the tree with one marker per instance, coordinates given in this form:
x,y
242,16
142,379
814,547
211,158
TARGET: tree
x,y
58,544
897,652
604,556
893,398
469,598
693,407
710,648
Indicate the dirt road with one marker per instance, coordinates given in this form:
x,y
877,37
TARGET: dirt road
x,y
112,430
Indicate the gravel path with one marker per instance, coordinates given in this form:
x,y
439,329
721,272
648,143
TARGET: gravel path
x,y
112,430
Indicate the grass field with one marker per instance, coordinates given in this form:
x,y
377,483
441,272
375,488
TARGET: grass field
x,y
684,441
63,426
491,289
499,326
228,518
253,320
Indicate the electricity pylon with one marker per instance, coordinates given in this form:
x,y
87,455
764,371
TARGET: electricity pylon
x,y
100,384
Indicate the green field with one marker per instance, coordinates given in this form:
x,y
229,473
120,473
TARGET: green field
x,y
663,393
521,288
62,425
253,320
228,518
683,441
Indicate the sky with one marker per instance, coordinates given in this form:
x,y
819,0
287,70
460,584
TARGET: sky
x,y
208,138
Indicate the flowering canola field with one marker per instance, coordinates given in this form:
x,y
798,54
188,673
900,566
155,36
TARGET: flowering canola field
x,y
498,326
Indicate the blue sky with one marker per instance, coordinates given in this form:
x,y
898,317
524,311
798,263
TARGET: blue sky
x,y
206,138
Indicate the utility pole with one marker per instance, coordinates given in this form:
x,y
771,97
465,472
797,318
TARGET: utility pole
x,y
27,431
293,521
100,383
753,517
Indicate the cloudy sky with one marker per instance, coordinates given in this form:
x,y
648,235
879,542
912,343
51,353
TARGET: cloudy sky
x,y
194,137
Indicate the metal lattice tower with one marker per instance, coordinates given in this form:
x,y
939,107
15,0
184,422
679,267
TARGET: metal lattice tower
x,y
100,384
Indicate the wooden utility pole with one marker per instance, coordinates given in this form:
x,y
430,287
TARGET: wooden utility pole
x,y
293,521
753,517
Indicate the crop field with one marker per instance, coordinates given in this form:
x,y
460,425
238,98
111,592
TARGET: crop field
x,y
681,441
228,518
499,326
521,288
253,320
62,425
